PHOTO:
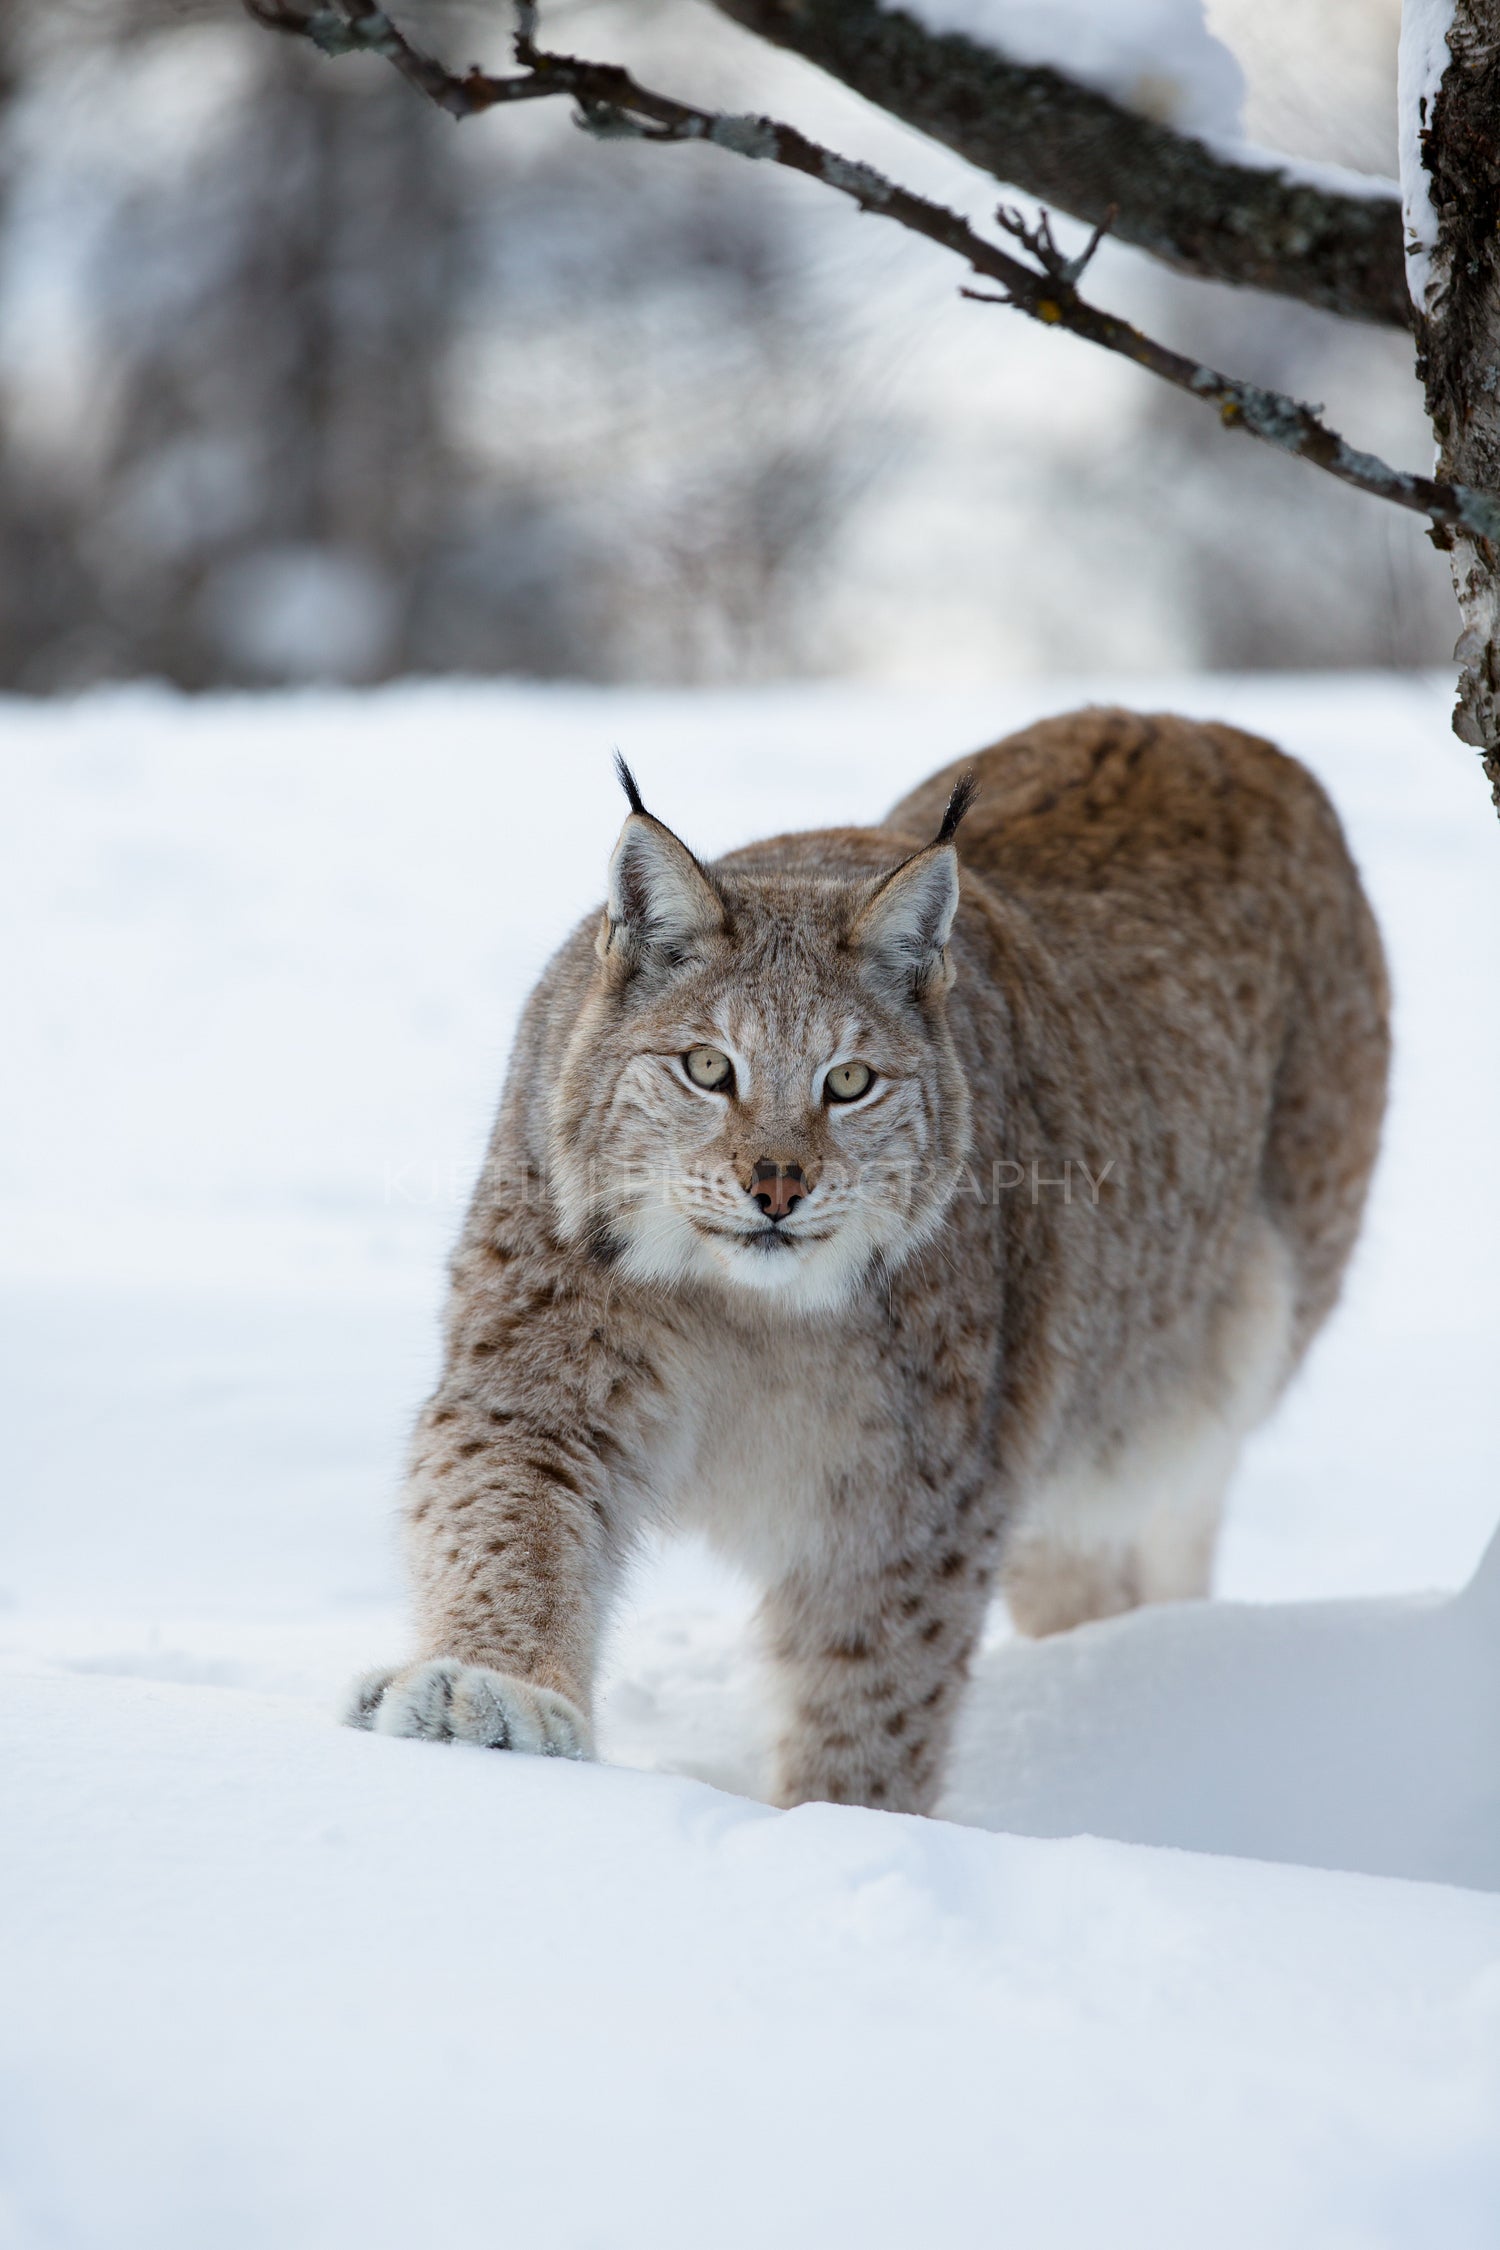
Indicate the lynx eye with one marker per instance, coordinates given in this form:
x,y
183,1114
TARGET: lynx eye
x,y
847,1081
708,1068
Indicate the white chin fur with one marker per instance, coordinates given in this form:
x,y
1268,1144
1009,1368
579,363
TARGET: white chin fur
x,y
664,1247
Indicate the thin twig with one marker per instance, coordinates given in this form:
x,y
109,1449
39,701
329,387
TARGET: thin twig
x,y
611,103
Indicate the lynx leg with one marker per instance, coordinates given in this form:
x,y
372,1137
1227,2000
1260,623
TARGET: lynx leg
x,y
1141,1523
871,1675
1088,1553
513,1541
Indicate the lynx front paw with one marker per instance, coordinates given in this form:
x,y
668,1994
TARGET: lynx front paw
x,y
445,1701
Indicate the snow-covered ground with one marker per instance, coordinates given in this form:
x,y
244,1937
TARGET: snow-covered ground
x,y
269,1983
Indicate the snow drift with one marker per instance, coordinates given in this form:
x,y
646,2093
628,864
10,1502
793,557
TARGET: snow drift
x,y
1336,1734
273,1986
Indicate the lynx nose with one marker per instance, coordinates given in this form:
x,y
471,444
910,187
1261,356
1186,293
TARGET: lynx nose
x,y
777,1187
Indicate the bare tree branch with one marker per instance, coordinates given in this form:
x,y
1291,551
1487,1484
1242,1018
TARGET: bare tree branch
x,y
611,103
1061,142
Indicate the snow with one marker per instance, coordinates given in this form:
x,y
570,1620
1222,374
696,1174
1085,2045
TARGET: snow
x,y
1155,56
1357,1734
1206,1947
283,1986
1306,171
1422,59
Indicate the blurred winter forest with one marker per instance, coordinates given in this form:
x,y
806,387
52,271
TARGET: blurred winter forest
x,y
302,381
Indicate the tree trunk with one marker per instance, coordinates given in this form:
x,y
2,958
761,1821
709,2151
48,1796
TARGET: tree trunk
x,y
1451,175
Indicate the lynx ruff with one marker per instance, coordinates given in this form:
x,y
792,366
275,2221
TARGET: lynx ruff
x,y
764,1289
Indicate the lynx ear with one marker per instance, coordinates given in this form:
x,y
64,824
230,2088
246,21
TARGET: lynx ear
x,y
904,927
661,902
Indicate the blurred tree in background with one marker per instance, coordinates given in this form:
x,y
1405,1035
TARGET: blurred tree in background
x,y
299,386
300,382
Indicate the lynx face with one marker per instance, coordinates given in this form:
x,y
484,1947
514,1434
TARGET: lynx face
x,y
761,1092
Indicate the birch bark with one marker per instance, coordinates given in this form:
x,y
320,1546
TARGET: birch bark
x,y
1450,163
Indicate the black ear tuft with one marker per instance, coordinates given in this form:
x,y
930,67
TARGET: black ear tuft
x,y
626,780
965,790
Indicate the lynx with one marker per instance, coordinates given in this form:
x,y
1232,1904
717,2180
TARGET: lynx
x,y
919,1211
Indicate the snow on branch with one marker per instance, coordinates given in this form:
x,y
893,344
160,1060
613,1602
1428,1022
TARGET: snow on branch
x,y
610,103
1212,211
1158,57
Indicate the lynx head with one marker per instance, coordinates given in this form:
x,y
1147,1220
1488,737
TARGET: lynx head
x,y
761,1091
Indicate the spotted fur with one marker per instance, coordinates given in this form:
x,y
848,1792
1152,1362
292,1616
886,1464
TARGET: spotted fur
x,y
1128,1036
